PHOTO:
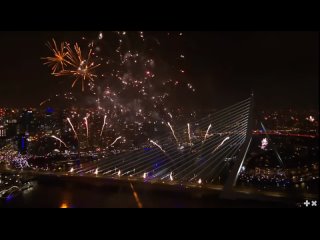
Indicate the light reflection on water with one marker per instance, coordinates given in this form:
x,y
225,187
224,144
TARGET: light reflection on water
x,y
64,205
54,194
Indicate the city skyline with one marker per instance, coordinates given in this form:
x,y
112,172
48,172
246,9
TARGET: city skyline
x,y
146,119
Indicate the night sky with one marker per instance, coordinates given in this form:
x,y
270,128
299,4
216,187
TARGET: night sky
x,y
280,67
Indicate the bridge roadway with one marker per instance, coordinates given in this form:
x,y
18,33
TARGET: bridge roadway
x,y
248,193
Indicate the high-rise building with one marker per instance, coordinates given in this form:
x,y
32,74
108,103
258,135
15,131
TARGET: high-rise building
x,y
2,112
27,122
22,144
11,128
3,132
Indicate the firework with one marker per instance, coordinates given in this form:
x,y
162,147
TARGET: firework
x,y
207,133
173,133
157,145
45,101
114,142
87,126
310,119
264,144
131,87
100,36
54,137
104,123
189,134
73,63
83,68
58,60
171,176
220,145
74,131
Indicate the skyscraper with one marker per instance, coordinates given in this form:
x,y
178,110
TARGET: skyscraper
x,y
3,132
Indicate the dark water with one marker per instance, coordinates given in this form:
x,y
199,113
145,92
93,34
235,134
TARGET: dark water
x,y
52,193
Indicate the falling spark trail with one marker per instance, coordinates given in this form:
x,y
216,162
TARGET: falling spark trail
x,y
59,140
157,145
114,142
104,123
207,133
45,101
86,123
171,177
75,133
173,133
226,139
189,134
87,126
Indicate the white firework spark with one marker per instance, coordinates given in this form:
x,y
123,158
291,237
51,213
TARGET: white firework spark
x,y
220,145
59,140
114,142
173,133
189,134
171,176
87,125
104,124
74,131
157,145
207,133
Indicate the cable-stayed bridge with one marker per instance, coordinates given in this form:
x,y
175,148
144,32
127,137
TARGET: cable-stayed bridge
x,y
215,155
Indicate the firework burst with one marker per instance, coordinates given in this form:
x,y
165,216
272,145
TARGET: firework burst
x,y
72,62
129,81
81,68
58,61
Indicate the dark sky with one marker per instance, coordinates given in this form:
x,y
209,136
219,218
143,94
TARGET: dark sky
x,y
281,67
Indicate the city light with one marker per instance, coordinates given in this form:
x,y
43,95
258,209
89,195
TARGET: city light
x,y
64,205
125,115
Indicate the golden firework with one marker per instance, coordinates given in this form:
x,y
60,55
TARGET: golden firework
x,y
59,56
80,67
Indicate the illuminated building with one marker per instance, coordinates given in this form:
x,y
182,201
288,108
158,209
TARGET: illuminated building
x,y
2,112
27,122
22,144
3,132
11,128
